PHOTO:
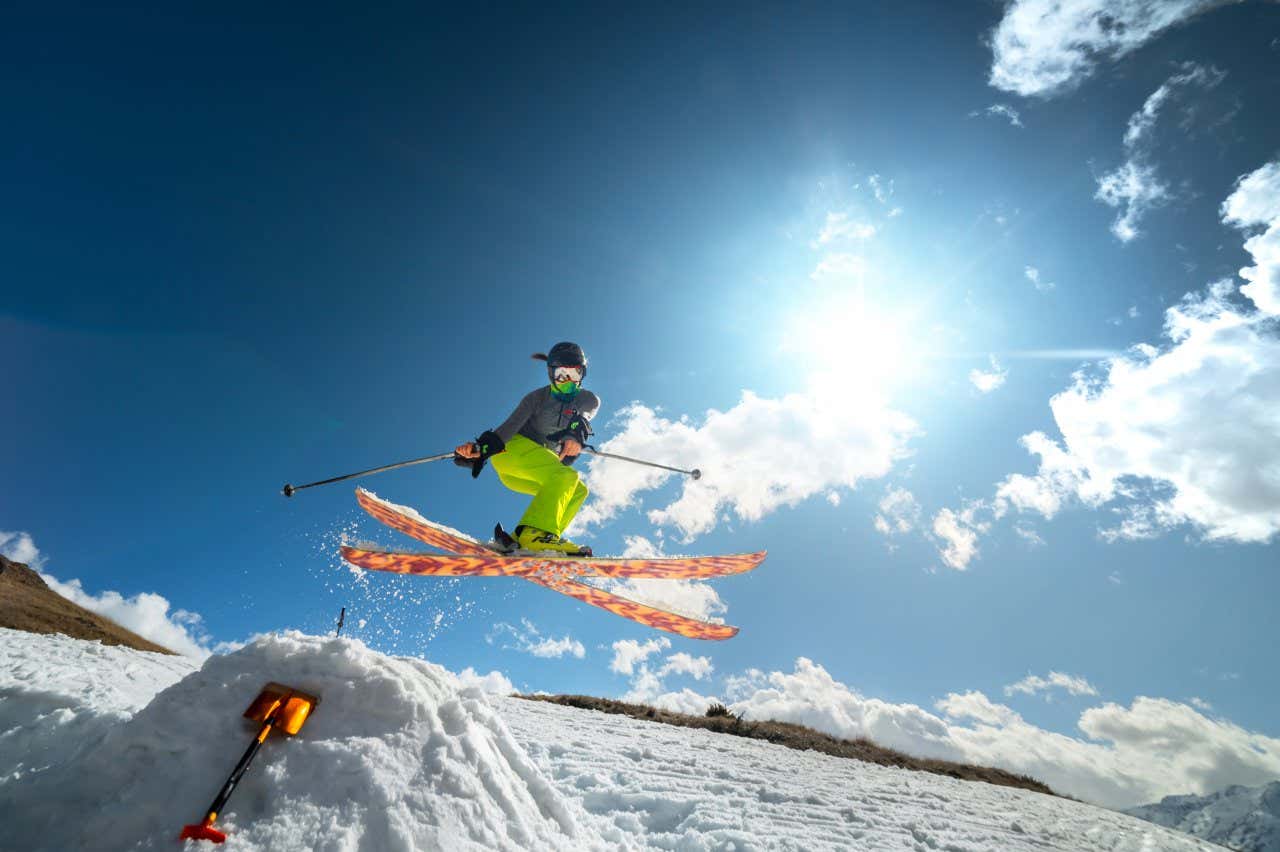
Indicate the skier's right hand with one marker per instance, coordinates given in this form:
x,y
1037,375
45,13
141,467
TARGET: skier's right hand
x,y
468,450
476,453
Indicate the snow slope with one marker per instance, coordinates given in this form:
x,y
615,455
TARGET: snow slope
x,y
398,756
1243,818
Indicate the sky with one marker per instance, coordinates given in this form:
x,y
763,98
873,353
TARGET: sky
x,y
966,311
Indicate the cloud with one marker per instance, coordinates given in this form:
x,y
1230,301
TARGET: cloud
x,y
986,382
684,664
1033,275
528,640
1181,434
19,547
755,457
627,653
840,228
1135,187
899,513
1047,47
693,598
1254,207
1000,110
959,536
646,682
493,683
1127,756
146,614
1032,684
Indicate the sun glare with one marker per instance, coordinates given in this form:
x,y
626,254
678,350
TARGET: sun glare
x,y
853,343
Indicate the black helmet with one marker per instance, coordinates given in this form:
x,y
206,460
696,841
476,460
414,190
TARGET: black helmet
x,y
564,354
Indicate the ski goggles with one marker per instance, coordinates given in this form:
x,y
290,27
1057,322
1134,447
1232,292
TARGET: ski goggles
x,y
560,375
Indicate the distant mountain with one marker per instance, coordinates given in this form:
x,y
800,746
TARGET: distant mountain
x,y
27,603
1242,818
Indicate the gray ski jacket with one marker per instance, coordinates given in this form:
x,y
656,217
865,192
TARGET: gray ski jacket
x,y
540,414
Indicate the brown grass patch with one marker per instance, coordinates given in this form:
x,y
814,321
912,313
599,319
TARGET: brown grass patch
x,y
27,603
799,737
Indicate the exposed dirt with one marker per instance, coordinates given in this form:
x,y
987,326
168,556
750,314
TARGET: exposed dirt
x,y
27,603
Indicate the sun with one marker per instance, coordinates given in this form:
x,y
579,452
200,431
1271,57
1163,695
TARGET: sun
x,y
847,340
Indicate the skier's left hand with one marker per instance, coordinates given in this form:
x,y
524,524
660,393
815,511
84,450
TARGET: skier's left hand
x,y
570,448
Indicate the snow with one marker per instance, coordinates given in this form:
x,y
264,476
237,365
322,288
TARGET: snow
x,y
1245,818
112,748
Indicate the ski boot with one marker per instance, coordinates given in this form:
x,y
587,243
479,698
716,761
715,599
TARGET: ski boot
x,y
535,540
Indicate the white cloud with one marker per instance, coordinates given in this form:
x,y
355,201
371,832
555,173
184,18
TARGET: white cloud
x,y
1127,756
839,227
1254,207
628,652
146,614
1033,275
684,701
530,641
681,663
755,457
1003,110
1032,684
1200,704
1029,535
1182,434
19,547
493,683
987,381
899,513
1044,47
883,189
839,268
958,536
1134,187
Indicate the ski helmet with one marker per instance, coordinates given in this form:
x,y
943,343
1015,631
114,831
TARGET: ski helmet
x,y
564,354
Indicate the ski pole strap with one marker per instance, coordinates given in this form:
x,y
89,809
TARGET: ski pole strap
x,y
695,473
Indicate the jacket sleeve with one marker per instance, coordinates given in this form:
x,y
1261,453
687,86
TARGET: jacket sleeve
x,y
590,405
519,417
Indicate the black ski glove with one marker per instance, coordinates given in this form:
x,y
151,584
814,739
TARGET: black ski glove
x,y
578,429
489,445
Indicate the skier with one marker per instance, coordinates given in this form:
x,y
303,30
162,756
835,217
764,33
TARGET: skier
x,y
533,449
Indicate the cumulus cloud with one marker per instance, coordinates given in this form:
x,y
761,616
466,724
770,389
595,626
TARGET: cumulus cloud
x,y
685,664
1127,756
693,598
1033,684
646,681
1046,47
1179,434
988,380
899,513
627,653
493,683
1254,207
1033,275
755,457
529,640
146,614
1002,110
19,547
1135,188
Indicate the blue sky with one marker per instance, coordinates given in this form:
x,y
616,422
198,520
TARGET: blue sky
x,y
243,250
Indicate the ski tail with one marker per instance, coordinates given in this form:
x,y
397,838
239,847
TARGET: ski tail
x,y
402,518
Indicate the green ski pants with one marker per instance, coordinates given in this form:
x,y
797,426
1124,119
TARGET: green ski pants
x,y
530,468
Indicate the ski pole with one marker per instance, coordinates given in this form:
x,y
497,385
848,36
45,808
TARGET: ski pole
x,y
695,473
288,490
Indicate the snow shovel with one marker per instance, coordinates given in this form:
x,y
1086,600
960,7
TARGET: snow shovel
x,y
277,707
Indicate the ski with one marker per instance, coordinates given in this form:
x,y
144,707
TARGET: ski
x,y
552,573
650,616
522,565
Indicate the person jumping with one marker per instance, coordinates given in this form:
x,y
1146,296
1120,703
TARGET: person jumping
x,y
533,450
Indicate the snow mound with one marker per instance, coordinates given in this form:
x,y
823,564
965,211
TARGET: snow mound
x,y
396,756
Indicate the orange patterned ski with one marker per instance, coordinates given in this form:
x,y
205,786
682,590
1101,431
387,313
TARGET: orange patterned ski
x,y
497,565
469,557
